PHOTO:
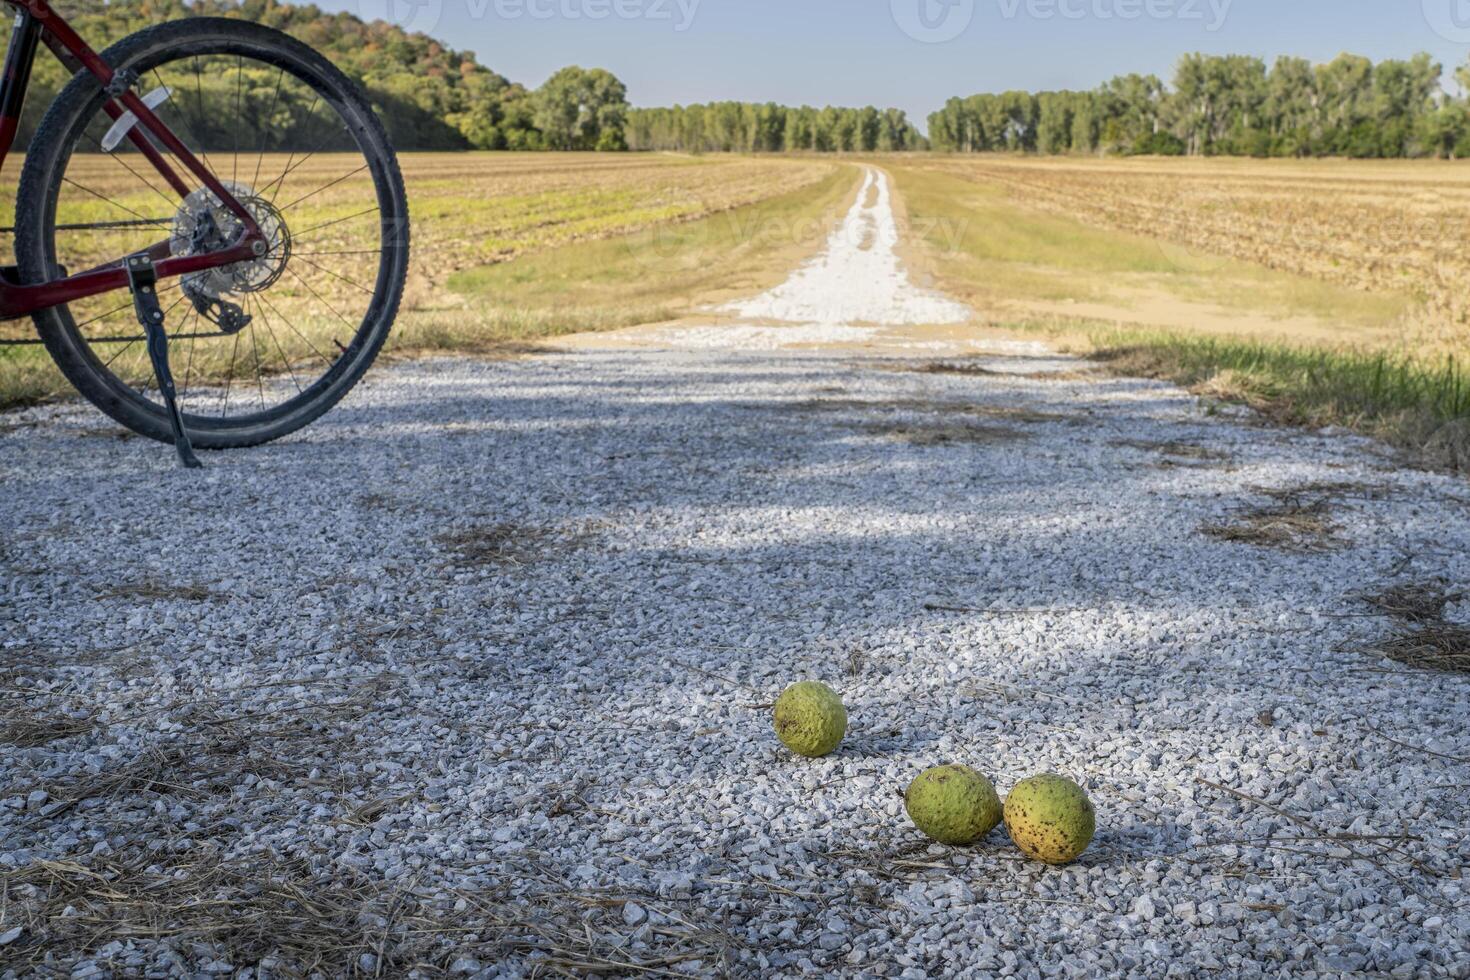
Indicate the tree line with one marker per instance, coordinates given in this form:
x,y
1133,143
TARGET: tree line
x,y
431,97
748,127
434,98
1230,105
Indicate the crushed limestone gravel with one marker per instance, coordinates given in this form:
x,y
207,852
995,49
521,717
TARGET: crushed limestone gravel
x,y
492,648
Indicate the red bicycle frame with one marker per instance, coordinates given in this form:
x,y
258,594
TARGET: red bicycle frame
x,y
36,23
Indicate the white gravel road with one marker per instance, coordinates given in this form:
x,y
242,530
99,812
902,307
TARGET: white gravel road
x,y
472,676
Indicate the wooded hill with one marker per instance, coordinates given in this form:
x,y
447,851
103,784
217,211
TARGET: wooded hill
x,y
429,96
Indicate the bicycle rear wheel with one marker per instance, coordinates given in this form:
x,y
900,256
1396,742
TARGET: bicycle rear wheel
x,y
260,348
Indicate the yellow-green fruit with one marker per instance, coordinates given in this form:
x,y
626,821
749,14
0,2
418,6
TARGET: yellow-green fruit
x,y
1050,818
810,719
953,804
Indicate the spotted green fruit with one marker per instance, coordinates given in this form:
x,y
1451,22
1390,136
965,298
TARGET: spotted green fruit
x,y
1050,818
953,804
810,719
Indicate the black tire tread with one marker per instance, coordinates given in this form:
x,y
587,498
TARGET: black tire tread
x,y
31,204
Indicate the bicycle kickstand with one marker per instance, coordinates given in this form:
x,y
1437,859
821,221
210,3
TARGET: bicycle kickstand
x,y
142,280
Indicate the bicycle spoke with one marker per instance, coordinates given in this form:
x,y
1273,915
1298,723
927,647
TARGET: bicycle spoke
x,y
334,275
260,149
117,225
105,199
230,377
287,172
120,352
369,251
255,351
189,370
296,238
117,157
260,308
325,186
286,320
239,78
320,298
178,110
126,307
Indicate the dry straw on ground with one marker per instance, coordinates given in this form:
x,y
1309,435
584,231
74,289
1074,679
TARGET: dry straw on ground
x,y
1175,453
1424,639
1414,602
1287,526
1432,646
922,406
493,544
939,434
965,369
154,590
291,920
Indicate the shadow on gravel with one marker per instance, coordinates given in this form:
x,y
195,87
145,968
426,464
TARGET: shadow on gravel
x,y
1040,585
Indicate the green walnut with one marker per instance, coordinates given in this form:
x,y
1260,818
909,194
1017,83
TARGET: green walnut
x,y
810,719
1050,818
953,804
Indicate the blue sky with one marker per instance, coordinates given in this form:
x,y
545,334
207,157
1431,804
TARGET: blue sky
x,y
857,52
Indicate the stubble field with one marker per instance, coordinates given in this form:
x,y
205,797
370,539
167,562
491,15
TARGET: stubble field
x,y
1323,292
1374,227
469,211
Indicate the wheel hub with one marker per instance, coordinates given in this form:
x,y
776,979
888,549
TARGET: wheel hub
x,y
203,224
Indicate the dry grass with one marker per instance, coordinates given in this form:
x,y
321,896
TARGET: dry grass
x,y
978,370
27,723
1324,490
1414,602
921,406
1287,526
247,912
1424,640
941,434
1432,646
282,915
1394,227
1189,451
505,544
153,590
1319,292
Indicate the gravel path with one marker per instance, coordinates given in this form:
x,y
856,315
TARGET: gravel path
x,y
473,676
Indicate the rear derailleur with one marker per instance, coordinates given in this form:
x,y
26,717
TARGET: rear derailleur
x,y
223,314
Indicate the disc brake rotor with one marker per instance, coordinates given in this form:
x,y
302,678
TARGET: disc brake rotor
x,y
203,224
